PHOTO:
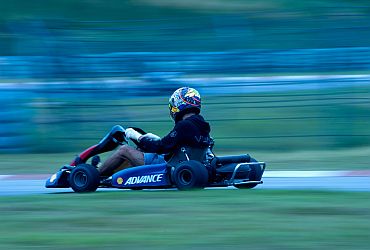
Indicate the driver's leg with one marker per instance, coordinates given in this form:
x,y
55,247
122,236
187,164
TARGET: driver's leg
x,y
124,157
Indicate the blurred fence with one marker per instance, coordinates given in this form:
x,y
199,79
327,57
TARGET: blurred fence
x,y
14,121
170,64
64,82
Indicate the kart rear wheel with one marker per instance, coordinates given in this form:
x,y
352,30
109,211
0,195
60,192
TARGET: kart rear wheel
x,y
190,175
84,178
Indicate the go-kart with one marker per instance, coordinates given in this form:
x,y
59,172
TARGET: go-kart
x,y
188,168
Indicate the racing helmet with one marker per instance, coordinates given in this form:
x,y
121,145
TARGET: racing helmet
x,y
184,100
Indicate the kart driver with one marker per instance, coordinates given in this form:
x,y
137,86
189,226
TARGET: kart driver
x,y
190,130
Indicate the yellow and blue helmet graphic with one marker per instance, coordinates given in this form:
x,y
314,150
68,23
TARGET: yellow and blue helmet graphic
x,y
182,100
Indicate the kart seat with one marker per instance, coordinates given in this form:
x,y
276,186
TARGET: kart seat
x,y
187,153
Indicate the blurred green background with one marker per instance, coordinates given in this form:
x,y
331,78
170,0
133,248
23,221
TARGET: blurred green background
x,y
283,80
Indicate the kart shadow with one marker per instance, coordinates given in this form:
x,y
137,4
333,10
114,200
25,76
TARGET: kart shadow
x,y
110,190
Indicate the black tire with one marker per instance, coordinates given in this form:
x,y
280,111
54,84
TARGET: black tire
x,y
84,178
190,175
254,175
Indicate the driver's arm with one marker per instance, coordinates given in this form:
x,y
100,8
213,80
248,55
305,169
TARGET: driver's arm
x,y
162,146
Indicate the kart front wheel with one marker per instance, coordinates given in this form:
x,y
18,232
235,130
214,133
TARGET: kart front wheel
x,y
84,178
190,175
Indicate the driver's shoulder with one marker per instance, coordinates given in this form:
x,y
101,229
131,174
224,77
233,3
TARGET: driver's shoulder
x,y
183,124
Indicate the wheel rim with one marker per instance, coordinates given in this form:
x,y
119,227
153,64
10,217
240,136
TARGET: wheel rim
x,y
80,179
185,176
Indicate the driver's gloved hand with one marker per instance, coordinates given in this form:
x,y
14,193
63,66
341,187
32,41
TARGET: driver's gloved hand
x,y
132,134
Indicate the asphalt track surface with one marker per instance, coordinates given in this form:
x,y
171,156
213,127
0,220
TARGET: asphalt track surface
x,y
333,181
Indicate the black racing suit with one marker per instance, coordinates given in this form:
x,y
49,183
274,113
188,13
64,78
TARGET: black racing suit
x,y
192,131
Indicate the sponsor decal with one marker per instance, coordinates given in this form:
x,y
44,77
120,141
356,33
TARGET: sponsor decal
x,y
144,179
120,180
203,139
175,110
53,177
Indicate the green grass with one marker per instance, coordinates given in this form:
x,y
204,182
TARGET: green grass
x,y
209,219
